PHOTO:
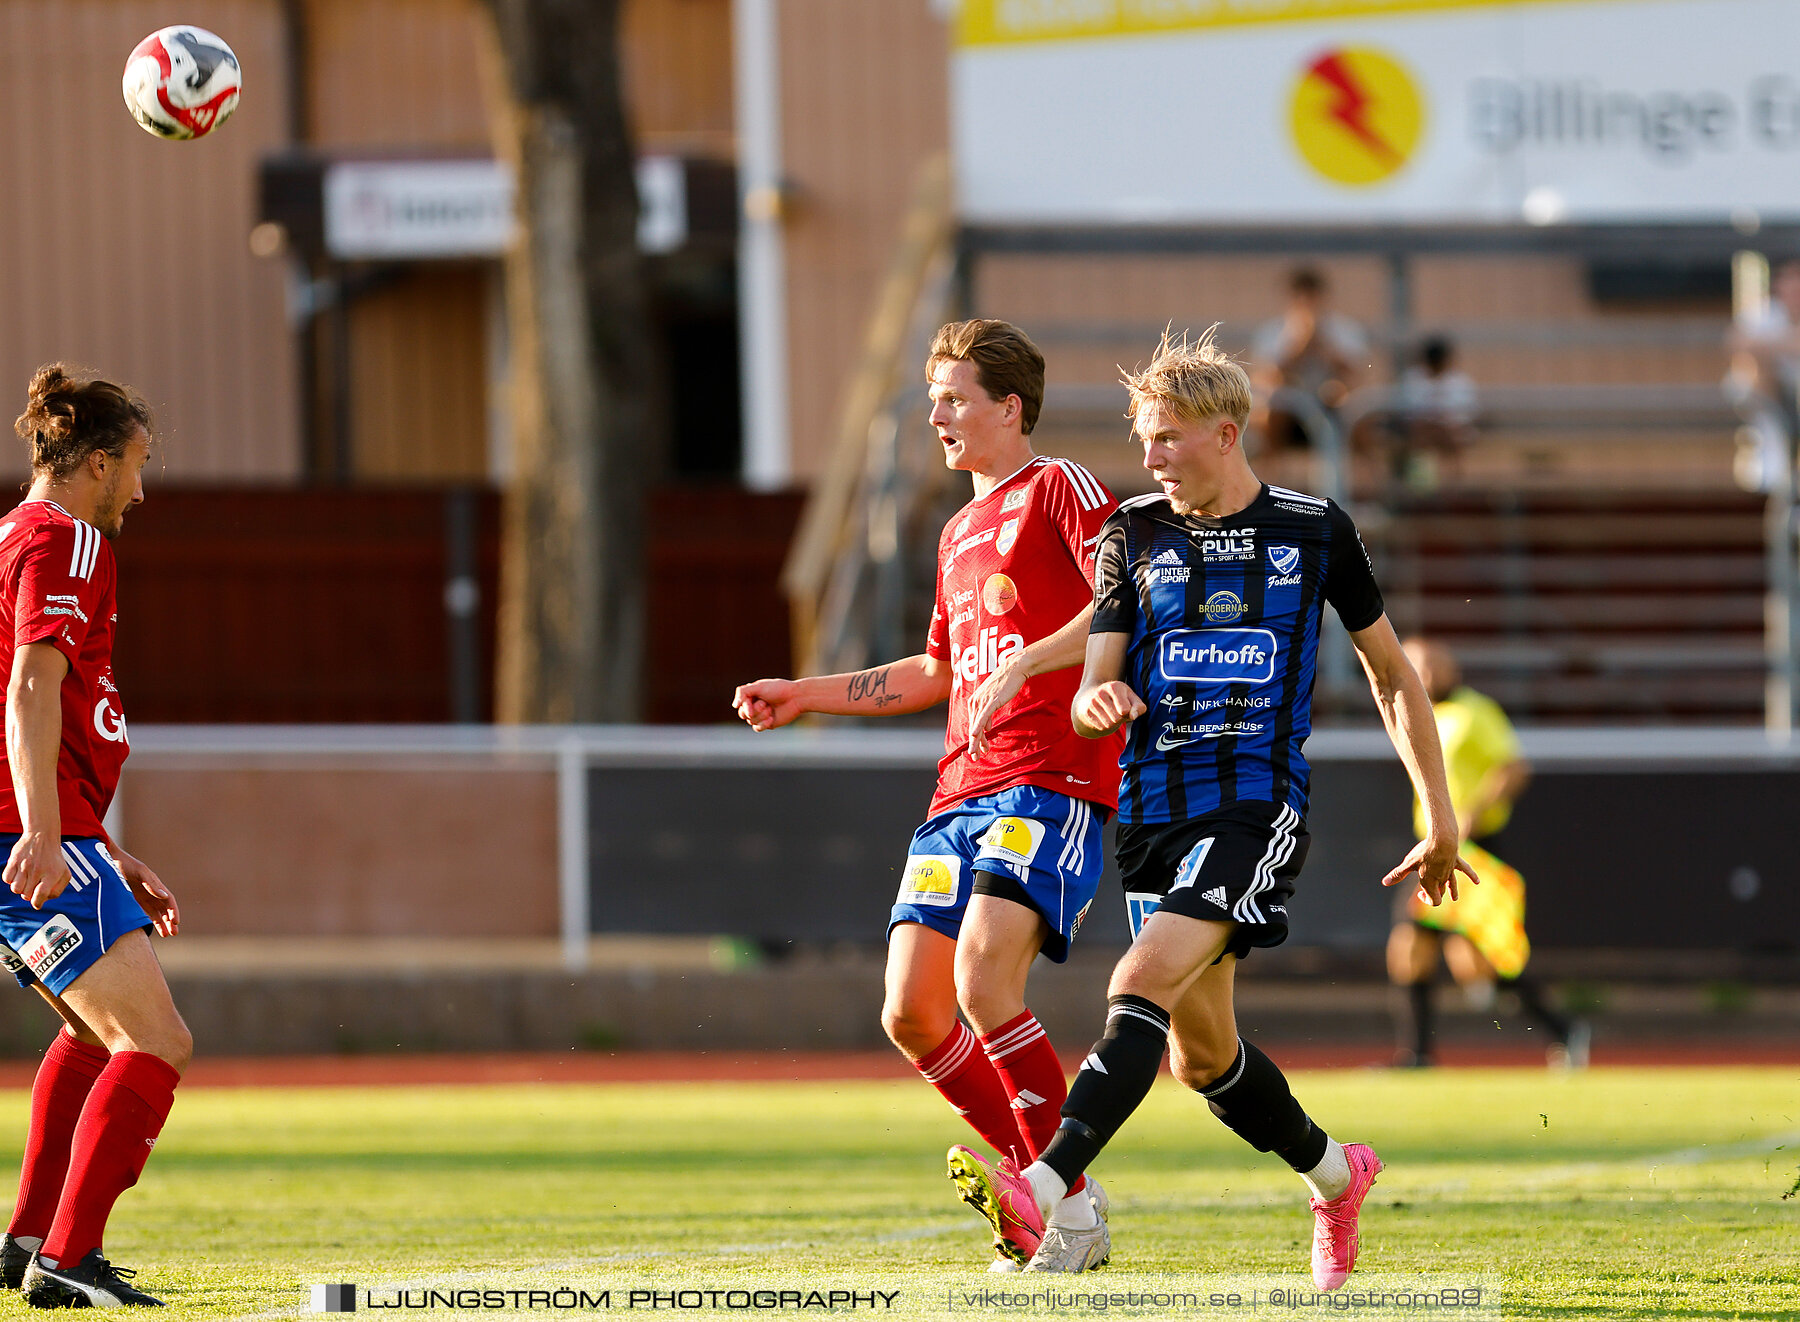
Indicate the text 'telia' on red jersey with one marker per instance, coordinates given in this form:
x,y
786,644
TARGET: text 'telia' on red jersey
x,y
1015,566
58,584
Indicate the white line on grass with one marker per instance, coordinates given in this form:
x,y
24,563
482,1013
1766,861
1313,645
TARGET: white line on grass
x,y
1697,1156
1750,1147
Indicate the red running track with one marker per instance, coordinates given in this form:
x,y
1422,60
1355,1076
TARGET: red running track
x,y
785,1066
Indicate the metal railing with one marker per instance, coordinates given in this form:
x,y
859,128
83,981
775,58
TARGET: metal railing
x,y
572,752
1651,409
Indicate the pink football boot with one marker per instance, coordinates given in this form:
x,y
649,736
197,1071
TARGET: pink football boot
x,y
1334,1223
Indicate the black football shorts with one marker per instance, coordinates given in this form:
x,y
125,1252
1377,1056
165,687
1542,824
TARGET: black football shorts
x,y
1235,865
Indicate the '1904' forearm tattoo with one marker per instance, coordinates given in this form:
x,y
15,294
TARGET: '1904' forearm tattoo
x,y
871,686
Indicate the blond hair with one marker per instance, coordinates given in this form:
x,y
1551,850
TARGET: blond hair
x,y
1197,381
1006,362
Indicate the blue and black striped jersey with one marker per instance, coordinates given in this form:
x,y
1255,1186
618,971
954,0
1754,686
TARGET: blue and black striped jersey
x,y
1224,619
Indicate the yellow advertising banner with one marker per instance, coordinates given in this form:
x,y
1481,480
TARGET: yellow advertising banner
x,y
1012,22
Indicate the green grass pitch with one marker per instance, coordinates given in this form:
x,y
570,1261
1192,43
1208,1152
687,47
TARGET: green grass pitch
x,y
1614,1194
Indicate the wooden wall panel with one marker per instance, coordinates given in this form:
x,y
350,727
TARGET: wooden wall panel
x,y
128,254
1146,292
1552,292
409,73
864,103
419,400
1499,289
677,56
405,77
396,73
1134,297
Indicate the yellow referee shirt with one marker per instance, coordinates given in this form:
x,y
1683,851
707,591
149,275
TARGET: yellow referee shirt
x,y
1476,737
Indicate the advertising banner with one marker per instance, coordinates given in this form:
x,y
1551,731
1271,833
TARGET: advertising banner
x,y
1369,111
415,210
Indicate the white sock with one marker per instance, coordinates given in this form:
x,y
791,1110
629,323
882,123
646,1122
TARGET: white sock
x,y
1046,1186
1331,1177
1075,1211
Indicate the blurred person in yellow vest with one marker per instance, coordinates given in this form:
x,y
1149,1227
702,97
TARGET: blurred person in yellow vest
x,y
1481,934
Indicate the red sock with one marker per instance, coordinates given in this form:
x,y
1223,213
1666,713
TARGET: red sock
x,y
63,1080
118,1127
956,1068
1033,1079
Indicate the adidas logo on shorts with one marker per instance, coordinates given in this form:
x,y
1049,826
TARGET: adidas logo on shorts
x,y
1214,896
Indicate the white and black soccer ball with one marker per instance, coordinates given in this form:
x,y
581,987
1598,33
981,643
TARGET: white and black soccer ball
x,y
182,82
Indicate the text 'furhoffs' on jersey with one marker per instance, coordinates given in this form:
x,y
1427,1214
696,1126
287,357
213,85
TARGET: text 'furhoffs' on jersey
x,y
1224,616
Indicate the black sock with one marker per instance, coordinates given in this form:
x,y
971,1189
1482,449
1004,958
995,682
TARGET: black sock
x,y
1110,1084
1254,1101
1531,1001
1418,1015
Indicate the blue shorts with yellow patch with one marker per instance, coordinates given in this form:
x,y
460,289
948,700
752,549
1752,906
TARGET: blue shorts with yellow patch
x,y
1043,843
57,944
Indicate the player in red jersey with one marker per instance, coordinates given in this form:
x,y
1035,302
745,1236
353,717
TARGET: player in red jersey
x,y
75,910
1007,862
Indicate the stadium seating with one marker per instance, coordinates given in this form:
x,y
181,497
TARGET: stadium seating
x,y
1593,605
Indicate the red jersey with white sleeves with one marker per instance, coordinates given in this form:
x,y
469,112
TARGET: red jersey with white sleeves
x,y
57,586
1013,567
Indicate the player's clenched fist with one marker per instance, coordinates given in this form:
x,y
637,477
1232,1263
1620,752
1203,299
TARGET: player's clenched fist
x,y
36,870
1105,707
767,704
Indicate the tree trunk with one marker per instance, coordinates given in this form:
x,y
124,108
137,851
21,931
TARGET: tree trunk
x,y
572,608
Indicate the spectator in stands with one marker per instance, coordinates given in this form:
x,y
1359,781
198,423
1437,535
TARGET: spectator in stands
x,y
1769,345
1764,378
1434,416
1310,349
1481,933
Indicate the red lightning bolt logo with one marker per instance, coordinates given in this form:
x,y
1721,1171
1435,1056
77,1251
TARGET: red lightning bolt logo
x,y
1351,109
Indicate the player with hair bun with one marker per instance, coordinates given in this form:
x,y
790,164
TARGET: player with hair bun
x,y
76,907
